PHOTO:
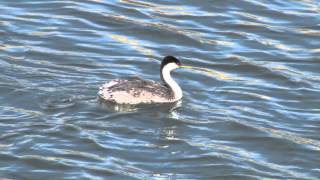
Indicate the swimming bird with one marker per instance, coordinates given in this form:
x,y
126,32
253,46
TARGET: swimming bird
x,y
137,91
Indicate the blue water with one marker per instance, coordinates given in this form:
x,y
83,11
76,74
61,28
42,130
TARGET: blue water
x,y
251,105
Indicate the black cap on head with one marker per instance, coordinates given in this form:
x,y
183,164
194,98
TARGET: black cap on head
x,y
169,59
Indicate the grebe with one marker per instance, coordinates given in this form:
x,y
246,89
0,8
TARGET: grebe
x,y
136,91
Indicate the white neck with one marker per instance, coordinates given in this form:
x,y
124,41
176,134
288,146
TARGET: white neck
x,y
177,92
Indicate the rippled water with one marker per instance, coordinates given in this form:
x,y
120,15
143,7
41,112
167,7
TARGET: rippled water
x,y
251,106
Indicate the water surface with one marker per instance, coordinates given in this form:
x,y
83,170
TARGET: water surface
x,y
251,106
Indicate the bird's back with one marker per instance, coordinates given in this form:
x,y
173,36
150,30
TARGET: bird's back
x,y
135,91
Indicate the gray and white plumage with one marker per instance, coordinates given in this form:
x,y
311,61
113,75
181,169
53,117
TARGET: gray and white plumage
x,y
136,90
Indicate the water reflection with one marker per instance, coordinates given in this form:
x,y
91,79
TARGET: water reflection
x,y
213,73
134,44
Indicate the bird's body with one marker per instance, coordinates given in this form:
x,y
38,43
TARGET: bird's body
x,y
136,90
